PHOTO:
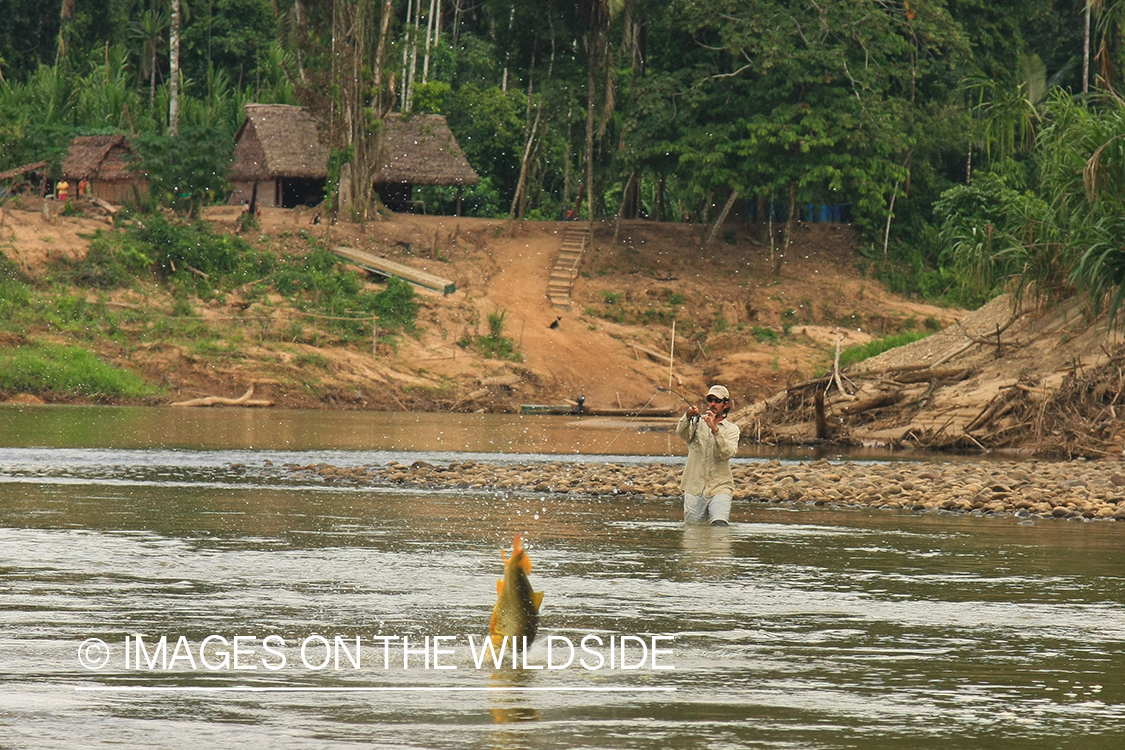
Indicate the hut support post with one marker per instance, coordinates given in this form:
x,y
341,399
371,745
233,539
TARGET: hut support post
x,y
460,189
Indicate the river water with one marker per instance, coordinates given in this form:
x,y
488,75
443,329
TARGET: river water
x,y
796,627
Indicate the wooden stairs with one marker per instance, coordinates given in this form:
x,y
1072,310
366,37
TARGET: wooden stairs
x,y
567,264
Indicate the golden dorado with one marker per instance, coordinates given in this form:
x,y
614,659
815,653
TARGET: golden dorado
x,y
516,614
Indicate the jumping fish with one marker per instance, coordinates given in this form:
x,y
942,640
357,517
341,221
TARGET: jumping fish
x,y
516,614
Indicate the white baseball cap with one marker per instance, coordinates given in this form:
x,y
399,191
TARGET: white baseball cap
x,y
720,392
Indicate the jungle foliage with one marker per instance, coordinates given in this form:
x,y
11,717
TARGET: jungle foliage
x,y
961,132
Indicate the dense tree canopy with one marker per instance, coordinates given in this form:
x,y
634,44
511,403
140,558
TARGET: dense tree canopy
x,y
664,109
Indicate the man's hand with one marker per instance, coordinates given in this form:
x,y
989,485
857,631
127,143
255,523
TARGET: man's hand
x,y
712,422
692,412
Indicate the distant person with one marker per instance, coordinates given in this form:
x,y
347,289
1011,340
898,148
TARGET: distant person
x,y
62,191
712,441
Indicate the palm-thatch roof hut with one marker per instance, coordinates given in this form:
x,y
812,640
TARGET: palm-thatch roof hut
x,y
105,162
279,150
419,150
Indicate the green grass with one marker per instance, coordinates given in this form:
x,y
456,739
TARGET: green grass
x,y
854,354
67,371
765,335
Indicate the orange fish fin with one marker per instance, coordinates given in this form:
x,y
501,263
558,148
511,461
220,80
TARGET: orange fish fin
x,y
537,600
499,586
517,549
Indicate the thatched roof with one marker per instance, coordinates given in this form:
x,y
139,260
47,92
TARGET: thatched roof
x,y
103,156
278,140
421,150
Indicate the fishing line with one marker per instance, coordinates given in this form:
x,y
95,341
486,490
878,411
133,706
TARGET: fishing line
x,y
549,516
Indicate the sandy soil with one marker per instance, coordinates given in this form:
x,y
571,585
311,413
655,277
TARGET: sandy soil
x,y
735,322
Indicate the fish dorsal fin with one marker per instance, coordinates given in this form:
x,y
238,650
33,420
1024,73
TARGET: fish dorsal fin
x,y
517,549
499,586
537,599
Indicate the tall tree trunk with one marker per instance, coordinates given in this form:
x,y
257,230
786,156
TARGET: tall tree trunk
x,y
517,199
384,30
890,215
763,220
66,11
429,41
1086,51
353,25
300,25
658,212
413,55
631,197
569,152
174,70
591,102
719,221
787,236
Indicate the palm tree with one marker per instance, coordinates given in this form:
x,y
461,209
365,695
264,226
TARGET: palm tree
x,y
1011,113
150,31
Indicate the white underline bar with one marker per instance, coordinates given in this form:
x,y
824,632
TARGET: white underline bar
x,y
406,689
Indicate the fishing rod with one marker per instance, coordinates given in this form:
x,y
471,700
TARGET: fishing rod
x,y
660,388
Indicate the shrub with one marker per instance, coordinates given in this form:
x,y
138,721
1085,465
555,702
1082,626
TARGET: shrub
x,y
765,335
396,306
67,371
854,354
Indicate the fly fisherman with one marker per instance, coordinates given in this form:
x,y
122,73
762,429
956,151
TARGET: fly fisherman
x,y
707,483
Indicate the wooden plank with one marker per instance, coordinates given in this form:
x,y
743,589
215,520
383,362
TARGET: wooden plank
x,y
627,412
653,354
546,409
388,268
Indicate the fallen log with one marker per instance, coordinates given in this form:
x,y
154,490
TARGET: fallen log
x,y
243,400
875,402
922,376
505,380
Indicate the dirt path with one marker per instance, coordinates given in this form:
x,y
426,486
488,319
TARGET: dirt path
x,y
576,358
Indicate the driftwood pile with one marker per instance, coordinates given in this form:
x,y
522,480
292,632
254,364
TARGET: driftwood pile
x,y
1085,416
970,398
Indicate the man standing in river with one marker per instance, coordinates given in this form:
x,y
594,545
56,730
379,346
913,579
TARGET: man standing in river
x,y
712,441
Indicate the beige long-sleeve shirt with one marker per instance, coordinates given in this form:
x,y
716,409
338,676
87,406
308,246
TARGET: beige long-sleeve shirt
x,y
707,471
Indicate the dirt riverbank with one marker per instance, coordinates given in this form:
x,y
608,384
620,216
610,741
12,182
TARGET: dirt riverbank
x,y
1050,386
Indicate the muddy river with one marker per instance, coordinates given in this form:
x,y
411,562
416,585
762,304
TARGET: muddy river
x,y
166,581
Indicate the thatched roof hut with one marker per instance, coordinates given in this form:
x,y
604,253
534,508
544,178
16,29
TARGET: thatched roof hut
x,y
105,162
278,147
419,150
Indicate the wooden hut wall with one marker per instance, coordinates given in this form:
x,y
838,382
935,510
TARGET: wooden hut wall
x,y
118,191
244,191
